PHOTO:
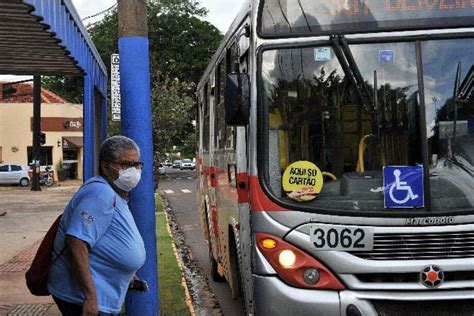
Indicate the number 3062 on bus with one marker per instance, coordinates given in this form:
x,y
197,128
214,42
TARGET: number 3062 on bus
x,y
342,238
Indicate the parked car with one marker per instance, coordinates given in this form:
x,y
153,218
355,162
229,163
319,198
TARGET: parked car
x,y
187,164
176,164
14,174
161,169
167,163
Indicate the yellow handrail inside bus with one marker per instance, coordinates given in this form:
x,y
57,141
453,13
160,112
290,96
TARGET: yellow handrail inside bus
x,y
360,167
362,146
329,175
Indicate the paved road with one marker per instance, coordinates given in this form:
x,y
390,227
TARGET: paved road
x,y
179,189
28,216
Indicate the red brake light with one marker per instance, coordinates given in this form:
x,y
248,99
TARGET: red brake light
x,y
292,269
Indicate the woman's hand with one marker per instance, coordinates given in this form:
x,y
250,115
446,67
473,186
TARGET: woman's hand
x,y
90,308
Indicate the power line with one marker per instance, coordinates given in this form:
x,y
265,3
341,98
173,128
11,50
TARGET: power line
x,y
99,13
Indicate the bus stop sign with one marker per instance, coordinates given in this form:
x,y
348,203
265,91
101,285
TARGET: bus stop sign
x,y
403,187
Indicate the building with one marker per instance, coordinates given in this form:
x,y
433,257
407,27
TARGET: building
x,y
61,122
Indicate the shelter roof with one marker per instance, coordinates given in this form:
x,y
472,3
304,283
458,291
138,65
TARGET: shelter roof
x,y
47,37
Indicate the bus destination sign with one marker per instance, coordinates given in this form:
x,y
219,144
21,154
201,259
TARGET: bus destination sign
x,y
353,16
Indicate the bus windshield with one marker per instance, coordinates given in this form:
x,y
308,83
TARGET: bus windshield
x,y
312,111
317,17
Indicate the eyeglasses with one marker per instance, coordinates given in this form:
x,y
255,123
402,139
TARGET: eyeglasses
x,y
125,164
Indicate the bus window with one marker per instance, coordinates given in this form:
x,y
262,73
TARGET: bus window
x,y
221,75
220,134
232,58
316,113
206,123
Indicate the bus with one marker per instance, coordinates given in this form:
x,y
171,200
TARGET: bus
x,y
336,157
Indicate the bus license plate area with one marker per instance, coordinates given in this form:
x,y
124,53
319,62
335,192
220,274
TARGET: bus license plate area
x,y
341,238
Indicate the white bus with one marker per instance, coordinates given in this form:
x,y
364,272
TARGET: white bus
x,y
336,157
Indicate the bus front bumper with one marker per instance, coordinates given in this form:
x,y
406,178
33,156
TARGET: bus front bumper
x,y
274,297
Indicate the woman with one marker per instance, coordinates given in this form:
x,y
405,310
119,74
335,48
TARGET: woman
x,y
98,243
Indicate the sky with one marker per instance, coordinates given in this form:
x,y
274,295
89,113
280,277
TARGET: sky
x,y
221,14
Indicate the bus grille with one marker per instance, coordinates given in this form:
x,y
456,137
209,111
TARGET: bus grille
x,y
420,246
429,308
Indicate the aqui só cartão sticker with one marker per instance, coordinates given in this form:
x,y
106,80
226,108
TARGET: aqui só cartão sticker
x,y
302,181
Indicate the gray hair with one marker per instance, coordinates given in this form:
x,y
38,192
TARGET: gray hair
x,y
112,147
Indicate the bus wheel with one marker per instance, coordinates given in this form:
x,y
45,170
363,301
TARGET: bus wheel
x,y
235,281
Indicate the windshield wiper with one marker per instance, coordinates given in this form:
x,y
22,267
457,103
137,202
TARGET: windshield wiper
x,y
352,72
358,76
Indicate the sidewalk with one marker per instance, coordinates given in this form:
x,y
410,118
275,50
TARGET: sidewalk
x,y
29,215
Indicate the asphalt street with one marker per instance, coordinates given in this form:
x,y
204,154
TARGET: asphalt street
x,y
179,188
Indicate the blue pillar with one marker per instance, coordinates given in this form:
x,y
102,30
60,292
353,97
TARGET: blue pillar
x,y
104,119
89,130
136,124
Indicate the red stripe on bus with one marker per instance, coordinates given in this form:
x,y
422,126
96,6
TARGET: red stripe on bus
x,y
214,220
259,201
243,187
212,176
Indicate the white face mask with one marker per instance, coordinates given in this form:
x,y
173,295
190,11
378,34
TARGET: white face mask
x,y
128,179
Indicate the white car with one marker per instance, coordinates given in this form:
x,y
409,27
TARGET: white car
x,y
187,164
14,174
161,169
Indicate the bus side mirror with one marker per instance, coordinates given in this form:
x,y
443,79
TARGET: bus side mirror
x,y
237,99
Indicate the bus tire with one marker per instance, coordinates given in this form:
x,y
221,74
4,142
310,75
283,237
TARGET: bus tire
x,y
235,280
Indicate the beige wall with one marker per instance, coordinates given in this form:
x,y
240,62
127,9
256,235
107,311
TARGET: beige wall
x,y
15,131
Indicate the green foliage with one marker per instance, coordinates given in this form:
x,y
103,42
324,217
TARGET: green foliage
x,y
68,87
172,114
181,44
105,37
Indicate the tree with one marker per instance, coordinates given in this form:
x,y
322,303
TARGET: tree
x,y
172,114
70,88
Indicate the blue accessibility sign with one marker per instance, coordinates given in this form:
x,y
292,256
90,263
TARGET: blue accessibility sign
x,y
403,187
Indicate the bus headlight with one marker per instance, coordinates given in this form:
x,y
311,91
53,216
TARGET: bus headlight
x,y
295,266
311,276
287,259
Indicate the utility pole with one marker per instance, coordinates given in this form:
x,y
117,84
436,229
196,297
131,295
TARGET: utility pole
x,y
136,123
36,132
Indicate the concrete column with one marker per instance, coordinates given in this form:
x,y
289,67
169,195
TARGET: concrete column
x,y
136,124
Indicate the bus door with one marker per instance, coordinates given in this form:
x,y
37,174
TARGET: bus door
x,y
211,171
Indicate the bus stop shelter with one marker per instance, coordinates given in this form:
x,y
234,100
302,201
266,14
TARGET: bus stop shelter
x,y
47,38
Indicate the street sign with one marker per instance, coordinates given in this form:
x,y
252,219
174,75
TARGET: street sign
x,y
403,187
115,87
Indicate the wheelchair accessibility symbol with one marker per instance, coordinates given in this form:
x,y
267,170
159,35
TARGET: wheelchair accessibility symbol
x,y
403,187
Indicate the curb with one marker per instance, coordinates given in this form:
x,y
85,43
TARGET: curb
x,y
189,301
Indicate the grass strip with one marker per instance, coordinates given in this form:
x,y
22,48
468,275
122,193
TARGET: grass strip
x,y
172,294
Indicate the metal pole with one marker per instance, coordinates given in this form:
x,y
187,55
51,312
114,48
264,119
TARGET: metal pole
x,y
89,128
423,133
36,132
136,124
